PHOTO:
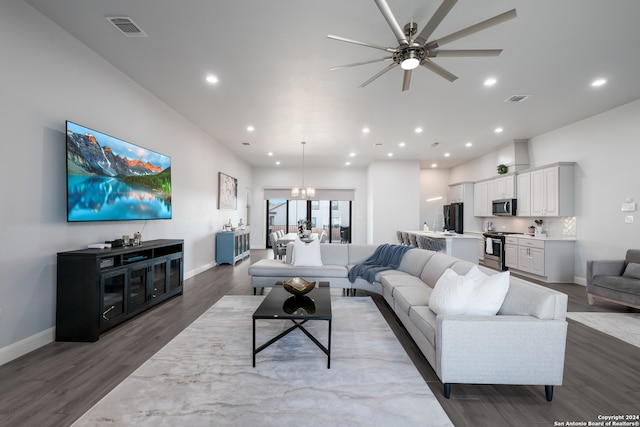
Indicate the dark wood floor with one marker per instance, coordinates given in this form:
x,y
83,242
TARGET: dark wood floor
x,y
57,383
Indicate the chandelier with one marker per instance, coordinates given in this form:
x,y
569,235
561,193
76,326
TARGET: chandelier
x,y
303,192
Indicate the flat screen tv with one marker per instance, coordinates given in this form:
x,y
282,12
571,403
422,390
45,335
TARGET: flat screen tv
x,y
113,180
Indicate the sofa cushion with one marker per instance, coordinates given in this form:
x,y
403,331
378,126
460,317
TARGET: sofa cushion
x,y
414,260
407,296
358,253
307,254
462,267
632,255
277,268
435,267
425,321
618,283
334,254
451,295
488,292
392,279
632,270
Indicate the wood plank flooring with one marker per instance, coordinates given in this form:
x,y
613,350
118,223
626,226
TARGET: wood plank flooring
x,y
57,383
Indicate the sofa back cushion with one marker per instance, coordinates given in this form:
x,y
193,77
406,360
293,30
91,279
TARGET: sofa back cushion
x,y
334,254
435,267
358,253
633,255
528,299
414,260
462,267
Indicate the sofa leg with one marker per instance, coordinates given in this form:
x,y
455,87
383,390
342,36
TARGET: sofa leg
x,y
254,291
548,391
447,390
590,299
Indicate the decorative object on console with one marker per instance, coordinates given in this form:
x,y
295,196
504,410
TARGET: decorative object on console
x,y
227,192
298,286
303,192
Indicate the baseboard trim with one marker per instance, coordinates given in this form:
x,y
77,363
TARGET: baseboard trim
x,y
27,345
199,270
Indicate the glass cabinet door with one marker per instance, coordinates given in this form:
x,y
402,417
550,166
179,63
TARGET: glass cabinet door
x,y
159,279
175,272
112,295
138,279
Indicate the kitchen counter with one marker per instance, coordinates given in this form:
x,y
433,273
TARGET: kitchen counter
x,y
443,235
460,246
549,238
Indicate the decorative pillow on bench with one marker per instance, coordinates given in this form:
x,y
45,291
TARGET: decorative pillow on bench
x,y
307,254
475,293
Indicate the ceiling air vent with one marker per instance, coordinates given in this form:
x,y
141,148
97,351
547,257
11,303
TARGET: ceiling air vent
x,y
126,26
517,98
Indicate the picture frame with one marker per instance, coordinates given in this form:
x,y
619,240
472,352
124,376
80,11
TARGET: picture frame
x,y
227,191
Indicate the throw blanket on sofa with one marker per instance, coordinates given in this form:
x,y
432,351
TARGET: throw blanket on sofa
x,y
385,257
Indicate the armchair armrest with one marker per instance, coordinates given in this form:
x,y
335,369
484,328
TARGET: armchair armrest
x,y
603,268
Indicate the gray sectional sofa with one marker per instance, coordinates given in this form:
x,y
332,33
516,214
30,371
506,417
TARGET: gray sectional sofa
x,y
523,344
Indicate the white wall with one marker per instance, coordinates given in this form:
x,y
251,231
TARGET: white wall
x,y
606,151
319,178
47,77
394,199
434,184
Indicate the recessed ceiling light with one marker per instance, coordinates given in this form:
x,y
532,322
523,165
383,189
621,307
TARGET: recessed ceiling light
x,y
352,154
447,154
490,81
269,153
365,130
390,154
418,130
278,163
468,144
498,130
212,79
347,163
434,165
402,144
598,82
250,128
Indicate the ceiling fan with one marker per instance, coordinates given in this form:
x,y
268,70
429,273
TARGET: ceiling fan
x,y
412,52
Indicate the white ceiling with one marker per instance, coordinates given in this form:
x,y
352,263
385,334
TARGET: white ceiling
x,y
272,59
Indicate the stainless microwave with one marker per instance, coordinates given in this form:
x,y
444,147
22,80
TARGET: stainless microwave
x,y
504,207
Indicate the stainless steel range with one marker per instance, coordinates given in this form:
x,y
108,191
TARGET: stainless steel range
x,y
494,249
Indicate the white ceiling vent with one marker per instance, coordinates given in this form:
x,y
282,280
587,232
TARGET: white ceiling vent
x,y
517,98
126,26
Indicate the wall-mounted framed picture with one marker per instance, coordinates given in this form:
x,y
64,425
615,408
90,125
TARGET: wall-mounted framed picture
x,y
227,191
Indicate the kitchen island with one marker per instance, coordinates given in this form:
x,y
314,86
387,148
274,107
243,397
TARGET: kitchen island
x,y
460,246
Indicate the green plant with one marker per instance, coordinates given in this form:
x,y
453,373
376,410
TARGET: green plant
x,y
502,169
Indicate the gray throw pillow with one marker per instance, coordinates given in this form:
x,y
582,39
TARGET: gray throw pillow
x,y
632,270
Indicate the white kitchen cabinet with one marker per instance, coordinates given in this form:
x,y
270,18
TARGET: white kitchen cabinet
x,y
480,204
523,184
456,193
548,260
552,190
504,187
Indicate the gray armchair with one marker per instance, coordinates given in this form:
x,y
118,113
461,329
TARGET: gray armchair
x,y
616,281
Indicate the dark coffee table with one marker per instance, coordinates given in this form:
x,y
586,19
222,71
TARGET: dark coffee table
x,y
280,304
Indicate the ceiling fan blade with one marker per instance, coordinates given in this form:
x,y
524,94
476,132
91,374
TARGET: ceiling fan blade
x,y
406,81
375,46
435,20
439,70
379,74
392,21
463,53
477,27
360,63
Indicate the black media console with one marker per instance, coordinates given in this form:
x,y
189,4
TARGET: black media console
x,y
100,288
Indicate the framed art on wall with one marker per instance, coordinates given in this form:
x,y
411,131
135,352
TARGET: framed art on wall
x,y
227,191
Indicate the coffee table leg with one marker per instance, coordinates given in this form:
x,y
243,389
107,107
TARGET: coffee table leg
x,y
254,342
329,348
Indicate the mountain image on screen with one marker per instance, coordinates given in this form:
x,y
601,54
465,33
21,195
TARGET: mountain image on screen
x,y
110,179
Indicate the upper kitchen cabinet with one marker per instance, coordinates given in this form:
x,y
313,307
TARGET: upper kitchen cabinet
x,y
552,190
504,188
480,205
485,192
523,184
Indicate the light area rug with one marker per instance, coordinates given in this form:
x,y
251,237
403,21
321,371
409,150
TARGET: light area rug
x,y
624,326
204,376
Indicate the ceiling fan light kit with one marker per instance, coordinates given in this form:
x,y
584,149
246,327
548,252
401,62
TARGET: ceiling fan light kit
x,y
412,52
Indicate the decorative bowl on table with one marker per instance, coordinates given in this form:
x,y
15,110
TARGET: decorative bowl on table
x,y
298,286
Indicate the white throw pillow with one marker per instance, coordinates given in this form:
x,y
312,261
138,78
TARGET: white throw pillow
x,y
488,292
450,294
307,254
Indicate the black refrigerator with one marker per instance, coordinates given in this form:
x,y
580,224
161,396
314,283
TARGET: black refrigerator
x,y
453,217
